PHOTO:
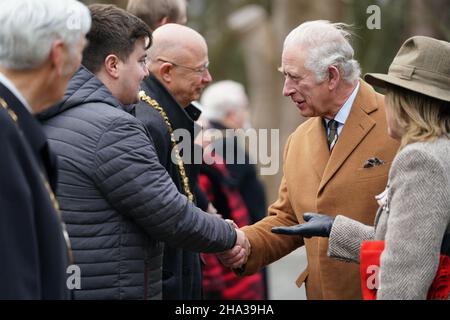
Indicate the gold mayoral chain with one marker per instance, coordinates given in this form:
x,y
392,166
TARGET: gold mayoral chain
x,y
153,103
11,113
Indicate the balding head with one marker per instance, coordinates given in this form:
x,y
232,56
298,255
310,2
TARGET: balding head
x,y
178,58
176,43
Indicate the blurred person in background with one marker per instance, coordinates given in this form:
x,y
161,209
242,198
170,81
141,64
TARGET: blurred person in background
x,y
232,186
156,13
41,44
226,107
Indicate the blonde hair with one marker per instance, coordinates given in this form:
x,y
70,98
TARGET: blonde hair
x,y
421,117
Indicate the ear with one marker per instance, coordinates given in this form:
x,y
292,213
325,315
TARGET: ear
x,y
112,66
334,76
162,22
57,59
165,72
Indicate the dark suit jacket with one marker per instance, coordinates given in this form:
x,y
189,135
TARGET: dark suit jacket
x,y
182,277
33,253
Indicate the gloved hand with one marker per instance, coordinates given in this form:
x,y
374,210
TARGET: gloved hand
x,y
317,225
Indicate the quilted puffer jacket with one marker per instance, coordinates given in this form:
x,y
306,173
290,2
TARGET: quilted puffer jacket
x,y
118,202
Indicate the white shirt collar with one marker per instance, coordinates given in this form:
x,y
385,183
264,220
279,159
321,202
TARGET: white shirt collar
x,y
11,87
344,112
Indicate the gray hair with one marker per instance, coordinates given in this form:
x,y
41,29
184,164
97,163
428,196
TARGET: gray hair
x,y
29,28
326,44
222,97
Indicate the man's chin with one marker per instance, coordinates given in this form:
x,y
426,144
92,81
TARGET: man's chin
x,y
305,113
130,101
196,97
135,99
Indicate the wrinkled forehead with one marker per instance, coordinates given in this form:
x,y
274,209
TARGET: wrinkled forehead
x,y
293,58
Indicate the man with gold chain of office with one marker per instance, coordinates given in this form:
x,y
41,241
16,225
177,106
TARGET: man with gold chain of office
x,y
178,66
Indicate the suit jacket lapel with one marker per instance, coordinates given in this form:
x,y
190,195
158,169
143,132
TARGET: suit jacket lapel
x,y
357,126
317,146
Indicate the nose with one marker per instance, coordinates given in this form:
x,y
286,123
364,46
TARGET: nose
x,y
206,77
288,88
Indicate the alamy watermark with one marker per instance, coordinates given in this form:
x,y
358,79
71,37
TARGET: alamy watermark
x,y
254,146
73,281
374,20
373,281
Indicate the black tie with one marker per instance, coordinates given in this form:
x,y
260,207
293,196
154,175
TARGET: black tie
x,y
332,133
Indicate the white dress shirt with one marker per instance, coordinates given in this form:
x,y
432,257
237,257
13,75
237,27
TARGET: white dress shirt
x,y
343,113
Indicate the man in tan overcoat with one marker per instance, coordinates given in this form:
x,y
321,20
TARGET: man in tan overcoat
x,y
336,162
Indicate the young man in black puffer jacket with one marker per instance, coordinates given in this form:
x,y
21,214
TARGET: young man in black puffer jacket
x,y
117,200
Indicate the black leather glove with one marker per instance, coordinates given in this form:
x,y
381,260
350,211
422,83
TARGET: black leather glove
x,y
317,225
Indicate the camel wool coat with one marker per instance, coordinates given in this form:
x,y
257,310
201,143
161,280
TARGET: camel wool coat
x,y
315,180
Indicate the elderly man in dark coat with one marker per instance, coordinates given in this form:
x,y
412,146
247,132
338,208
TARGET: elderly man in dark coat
x,y
178,61
38,55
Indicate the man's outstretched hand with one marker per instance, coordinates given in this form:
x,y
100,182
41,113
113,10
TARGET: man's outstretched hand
x,y
237,256
316,225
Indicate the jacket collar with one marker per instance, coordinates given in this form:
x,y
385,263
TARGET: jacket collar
x,y
357,126
33,133
83,88
12,88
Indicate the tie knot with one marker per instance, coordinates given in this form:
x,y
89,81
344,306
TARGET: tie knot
x,y
333,124
332,133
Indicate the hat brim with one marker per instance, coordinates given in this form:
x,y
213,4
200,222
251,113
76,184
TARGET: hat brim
x,y
380,80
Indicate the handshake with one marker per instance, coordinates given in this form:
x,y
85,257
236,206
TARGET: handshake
x,y
316,225
237,256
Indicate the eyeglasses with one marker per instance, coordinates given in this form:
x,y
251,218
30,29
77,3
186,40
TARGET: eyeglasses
x,y
199,70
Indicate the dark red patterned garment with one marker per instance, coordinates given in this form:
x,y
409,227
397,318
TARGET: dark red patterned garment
x,y
220,282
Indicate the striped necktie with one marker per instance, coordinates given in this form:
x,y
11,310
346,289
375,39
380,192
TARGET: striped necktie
x,y
332,134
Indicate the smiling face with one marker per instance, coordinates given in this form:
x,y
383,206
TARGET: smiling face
x,y
311,98
188,75
188,85
178,58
